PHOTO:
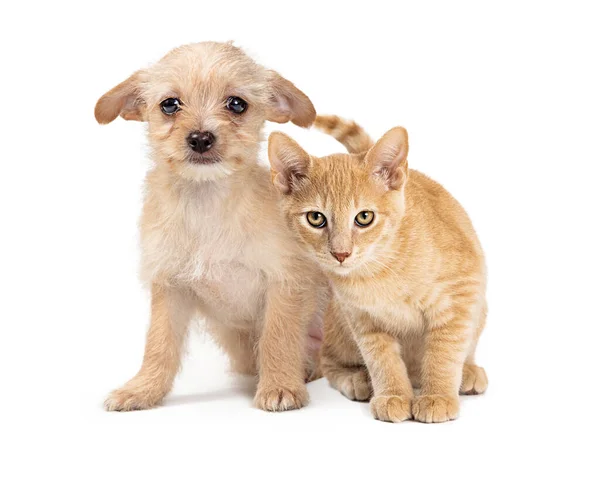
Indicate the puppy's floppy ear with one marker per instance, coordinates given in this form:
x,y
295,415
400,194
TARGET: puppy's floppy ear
x,y
124,100
387,158
289,162
287,103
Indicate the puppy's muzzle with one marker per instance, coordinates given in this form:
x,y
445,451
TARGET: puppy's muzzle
x,y
201,141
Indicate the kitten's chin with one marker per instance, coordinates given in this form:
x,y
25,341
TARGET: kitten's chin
x,y
340,270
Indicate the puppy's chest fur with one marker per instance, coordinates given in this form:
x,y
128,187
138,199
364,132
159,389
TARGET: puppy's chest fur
x,y
205,238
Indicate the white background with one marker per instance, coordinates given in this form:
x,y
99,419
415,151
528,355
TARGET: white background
x,y
502,105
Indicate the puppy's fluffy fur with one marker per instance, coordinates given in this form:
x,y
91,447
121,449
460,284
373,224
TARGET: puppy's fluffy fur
x,y
409,284
213,241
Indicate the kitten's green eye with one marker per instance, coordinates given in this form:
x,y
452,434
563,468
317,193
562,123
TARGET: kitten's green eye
x,y
316,219
364,218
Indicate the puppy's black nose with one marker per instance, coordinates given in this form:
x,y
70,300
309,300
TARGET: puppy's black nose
x,y
200,141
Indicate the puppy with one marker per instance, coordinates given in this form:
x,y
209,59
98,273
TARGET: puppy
x,y
214,243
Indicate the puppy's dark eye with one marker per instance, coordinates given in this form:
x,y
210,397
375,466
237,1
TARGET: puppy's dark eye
x,y
170,106
316,219
236,105
364,218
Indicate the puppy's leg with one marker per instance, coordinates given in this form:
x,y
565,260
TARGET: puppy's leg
x,y
314,346
392,390
282,349
170,316
238,344
341,361
446,346
314,343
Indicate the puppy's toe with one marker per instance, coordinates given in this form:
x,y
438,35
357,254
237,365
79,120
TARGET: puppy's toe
x,y
131,399
281,398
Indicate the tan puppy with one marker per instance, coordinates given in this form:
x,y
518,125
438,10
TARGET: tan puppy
x,y
406,266
213,241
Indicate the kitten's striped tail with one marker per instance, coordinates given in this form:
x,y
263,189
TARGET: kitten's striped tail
x,y
347,132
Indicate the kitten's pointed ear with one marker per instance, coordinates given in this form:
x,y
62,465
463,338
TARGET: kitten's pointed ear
x,y
289,162
387,158
123,100
287,103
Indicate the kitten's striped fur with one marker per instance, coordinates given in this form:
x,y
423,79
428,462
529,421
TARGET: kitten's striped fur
x,y
409,299
347,132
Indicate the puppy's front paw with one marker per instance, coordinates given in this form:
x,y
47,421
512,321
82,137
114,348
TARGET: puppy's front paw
x,y
474,380
274,398
435,408
131,399
391,408
355,385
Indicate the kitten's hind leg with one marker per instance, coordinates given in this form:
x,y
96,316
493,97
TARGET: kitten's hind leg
x,y
352,382
341,361
474,380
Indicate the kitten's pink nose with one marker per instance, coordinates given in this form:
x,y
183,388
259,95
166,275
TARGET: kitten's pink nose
x,y
340,256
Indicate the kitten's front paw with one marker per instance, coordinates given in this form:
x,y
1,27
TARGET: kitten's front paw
x,y
355,385
132,399
474,380
435,408
391,408
273,398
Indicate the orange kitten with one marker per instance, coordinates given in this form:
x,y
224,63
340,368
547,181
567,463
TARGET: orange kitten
x,y
407,269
